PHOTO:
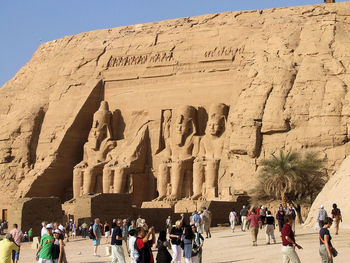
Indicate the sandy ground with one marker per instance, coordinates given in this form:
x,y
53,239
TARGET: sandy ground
x,y
223,247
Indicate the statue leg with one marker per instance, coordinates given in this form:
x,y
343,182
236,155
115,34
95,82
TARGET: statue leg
x,y
107,179
198,178
211,179
120,180
162,181
89,181
176,177
77,182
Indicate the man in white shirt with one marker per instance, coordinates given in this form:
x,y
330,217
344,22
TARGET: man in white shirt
x,y
43,230
322,214
232,219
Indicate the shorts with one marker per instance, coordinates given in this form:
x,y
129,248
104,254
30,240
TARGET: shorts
x,y
41,260
96,242
15,255
106,234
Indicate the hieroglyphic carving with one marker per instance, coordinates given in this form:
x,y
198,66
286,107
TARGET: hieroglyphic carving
x,y
220,52
123,61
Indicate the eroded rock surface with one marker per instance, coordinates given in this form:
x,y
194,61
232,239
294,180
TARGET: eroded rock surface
x,y
284,73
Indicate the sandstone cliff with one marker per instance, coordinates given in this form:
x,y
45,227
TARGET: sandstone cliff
x,y
335,191
283,72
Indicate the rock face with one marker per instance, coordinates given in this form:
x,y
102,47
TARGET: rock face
x,y
282,74
335,191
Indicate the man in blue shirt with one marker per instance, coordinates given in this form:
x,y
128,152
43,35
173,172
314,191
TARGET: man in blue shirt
x,y
197,220
97,232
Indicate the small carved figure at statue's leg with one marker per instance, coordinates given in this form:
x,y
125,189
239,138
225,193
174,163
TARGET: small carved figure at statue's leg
x,y
162,181
77,182
211,175
176,178
107,179
120,180
89,181
198,178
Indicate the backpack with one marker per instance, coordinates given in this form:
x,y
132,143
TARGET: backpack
x,y
293,214
91,232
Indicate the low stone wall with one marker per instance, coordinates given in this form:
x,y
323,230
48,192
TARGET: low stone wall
x,y
104,206
30,212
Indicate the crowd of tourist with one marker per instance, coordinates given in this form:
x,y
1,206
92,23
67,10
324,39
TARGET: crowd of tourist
x,y
257,218
135,239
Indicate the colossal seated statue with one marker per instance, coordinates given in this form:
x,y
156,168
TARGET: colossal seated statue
x,y
177,156
129,158
100,142
206,164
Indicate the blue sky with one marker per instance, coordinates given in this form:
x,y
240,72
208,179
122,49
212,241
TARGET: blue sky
x,y
24,24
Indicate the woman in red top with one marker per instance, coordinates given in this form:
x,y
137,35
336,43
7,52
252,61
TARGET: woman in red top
x,y
255,223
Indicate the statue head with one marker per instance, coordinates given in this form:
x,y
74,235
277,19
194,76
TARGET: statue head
x,y
104,106
100,126
217,119
184,124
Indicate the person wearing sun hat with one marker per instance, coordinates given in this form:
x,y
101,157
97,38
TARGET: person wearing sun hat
x,y
58,247
44,252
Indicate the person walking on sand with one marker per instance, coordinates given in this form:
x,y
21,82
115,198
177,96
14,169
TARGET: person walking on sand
x,y
321,216
232,219
336,215
206,222
280,217
244,214
270,228
326,248
288,242
18,237
255,223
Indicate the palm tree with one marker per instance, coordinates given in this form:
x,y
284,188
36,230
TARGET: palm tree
x,y
311,177
279,174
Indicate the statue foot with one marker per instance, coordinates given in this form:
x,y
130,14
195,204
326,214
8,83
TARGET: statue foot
x,y
171,198
195,197
160,198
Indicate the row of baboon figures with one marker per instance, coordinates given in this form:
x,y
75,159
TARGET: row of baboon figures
x,y
108,163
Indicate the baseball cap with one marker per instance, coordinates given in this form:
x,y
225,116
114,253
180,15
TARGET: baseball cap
x,y
57,231
49,226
